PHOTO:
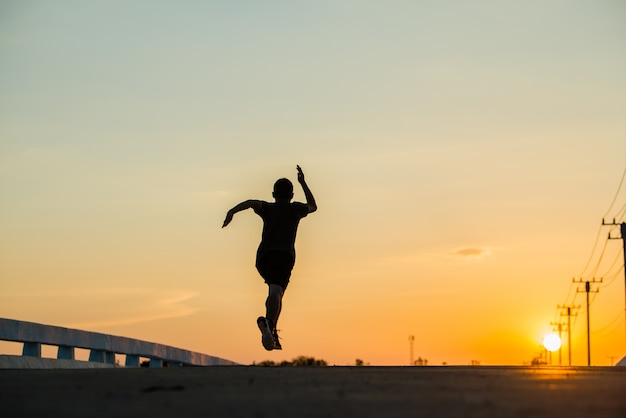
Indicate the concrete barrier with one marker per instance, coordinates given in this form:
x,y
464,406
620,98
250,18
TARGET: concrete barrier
x,y
26,362
103,347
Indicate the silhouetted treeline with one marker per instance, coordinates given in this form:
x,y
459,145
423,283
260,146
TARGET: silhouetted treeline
x,y
298,361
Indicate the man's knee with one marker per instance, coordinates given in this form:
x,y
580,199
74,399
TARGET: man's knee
x,y
276,291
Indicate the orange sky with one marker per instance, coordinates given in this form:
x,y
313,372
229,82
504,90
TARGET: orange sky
x,y
462,158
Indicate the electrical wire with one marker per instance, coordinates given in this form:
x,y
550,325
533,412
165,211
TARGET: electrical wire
x,y
620,215
616,193
617,219
593,251
575,295
558,309
595,270
611,277
619,316
615,327
575,320
569,292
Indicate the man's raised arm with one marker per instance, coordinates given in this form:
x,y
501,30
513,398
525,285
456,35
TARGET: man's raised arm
x,y
310,200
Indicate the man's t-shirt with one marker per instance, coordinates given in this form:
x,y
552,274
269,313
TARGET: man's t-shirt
x,y
280,224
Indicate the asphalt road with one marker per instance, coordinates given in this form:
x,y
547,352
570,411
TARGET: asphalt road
x,y
258,392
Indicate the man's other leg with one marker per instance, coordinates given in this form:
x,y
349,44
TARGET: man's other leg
x,y
274,303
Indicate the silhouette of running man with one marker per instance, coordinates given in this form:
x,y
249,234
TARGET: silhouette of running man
x,y
276,254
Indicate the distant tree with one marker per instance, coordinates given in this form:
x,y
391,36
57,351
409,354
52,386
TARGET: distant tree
x,y
421,362
358,362
265,363
538,361
308,361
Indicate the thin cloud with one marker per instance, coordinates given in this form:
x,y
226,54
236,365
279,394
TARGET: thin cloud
x,y
104,307
471,252
147,305
465,253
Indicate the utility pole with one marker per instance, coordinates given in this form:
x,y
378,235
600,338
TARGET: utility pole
x,y
587,291
622,228
559,328
569,314
411,340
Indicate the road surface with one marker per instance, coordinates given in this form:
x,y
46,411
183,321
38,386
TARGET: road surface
x,y
272,392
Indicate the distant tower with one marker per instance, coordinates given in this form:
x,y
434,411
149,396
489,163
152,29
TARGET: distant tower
x,y
411,340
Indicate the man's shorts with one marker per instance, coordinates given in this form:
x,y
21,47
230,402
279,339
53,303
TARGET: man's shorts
x,y
275,267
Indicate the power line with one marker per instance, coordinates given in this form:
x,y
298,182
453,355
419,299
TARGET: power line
x,y
616,194
595,270
621,213
612,277
611,323
593,251
569,292
619,216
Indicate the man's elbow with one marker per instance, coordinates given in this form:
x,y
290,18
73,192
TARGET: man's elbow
x,y
312,208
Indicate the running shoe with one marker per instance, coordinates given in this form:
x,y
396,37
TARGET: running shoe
x,y
267,339
277,345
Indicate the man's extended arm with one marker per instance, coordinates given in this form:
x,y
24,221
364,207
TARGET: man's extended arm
x,y
255,204
310,200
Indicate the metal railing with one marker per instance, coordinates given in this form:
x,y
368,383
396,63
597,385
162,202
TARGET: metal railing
x,y
103,347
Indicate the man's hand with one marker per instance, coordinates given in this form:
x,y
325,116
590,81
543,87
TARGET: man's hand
x,y
300,175
310,200
229,217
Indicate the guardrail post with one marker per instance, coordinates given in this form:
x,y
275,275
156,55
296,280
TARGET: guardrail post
x,y
132,361
101,356
156,362
96,356
32,350
66,353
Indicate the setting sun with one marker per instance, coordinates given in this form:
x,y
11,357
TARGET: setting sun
x,y
552,342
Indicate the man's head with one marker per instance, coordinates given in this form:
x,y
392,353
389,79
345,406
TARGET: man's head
x,y
283,189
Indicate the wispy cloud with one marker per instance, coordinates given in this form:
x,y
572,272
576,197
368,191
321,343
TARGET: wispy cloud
x,y
463,253
143,305
471,252
104,307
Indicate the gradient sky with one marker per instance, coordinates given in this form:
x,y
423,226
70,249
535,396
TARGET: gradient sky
x,y
462,155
